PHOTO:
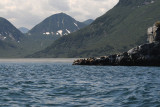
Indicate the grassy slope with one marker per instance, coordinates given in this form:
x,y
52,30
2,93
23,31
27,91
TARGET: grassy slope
x,y
118,30
6,49
27,45
34,43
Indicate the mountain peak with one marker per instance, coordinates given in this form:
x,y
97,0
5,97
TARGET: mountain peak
x,y
8,31
88,22
23,29
57,24
2,19
59,14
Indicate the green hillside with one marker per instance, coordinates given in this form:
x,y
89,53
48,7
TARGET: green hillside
x,y
33,43
27,45
14,44
120,29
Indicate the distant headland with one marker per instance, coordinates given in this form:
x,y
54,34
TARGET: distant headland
x,y
147,54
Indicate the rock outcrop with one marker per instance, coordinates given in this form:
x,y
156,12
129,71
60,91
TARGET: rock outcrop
x,y
144,55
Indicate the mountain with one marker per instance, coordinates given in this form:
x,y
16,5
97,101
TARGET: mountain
x,y
23,29
10,39
120,29
8,31
57,24
88,22
14,44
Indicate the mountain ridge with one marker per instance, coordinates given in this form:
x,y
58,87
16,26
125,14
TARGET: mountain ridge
x,y
88,21
57,24
120,29
8,31
17,44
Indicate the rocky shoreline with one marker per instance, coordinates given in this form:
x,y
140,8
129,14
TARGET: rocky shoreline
x,y
144,55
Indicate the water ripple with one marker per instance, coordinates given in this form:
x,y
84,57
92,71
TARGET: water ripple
x,y
52,84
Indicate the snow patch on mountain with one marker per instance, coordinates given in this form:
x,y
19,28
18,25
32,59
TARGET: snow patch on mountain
x,y
68,31
76,25
60,32
47,33
2,37
12,37
66,34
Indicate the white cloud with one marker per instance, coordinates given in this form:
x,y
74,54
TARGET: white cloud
x,y
62,5
28,13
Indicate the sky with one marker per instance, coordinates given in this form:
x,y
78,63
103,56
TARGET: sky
x,y
28,13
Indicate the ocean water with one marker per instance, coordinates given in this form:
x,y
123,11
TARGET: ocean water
x,y
58,83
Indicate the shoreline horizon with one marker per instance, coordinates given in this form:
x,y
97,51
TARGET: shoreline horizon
x,y
32,60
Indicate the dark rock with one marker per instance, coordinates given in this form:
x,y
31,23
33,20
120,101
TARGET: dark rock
x,y
144,55
157,37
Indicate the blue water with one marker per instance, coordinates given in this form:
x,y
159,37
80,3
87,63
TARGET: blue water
x,y
61,84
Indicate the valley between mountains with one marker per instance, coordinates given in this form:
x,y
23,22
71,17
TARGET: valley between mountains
x,y
18,43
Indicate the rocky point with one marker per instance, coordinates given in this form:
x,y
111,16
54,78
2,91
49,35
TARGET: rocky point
x,y
144,55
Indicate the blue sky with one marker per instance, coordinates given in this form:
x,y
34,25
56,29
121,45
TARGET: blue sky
x,y
28,13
